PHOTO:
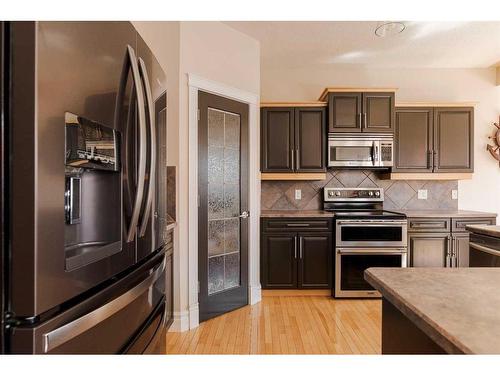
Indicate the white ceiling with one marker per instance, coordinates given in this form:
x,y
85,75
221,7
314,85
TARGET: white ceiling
x,y
421,45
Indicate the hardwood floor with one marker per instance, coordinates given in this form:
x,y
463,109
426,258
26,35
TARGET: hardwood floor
x,y
288,325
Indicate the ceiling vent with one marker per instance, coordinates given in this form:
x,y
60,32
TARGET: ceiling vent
x,y
389,28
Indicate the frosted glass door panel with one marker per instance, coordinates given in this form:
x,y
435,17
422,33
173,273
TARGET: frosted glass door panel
x,y
224,269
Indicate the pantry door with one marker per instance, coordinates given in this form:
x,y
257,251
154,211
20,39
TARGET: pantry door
x,y
223,205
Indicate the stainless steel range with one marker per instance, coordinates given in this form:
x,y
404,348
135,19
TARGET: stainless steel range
x,y
366,236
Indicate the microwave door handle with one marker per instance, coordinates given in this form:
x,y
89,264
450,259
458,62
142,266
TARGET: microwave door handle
x,y
374,153
142,144
152,161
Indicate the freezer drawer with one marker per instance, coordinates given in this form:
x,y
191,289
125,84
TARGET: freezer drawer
x,y
106,323
152,337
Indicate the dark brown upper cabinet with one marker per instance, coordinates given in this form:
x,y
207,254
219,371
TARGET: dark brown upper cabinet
x,y
378,112
293,139
310,146
354,112
453,139
413,140
278,140
345,112
434,139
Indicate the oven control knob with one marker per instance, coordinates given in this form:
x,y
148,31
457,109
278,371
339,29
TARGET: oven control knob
x,y
330,193
370,193
337,193
377,193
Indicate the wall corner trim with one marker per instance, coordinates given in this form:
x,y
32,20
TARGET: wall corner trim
x,y
194,316
181,321
255,294
222,89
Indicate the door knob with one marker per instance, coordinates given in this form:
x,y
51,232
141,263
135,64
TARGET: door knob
x,y
244,214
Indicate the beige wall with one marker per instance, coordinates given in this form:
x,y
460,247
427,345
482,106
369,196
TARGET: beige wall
x,y
306,83
163,38
212,51
216,52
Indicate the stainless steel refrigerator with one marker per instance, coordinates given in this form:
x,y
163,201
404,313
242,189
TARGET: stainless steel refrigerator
x,y
83,200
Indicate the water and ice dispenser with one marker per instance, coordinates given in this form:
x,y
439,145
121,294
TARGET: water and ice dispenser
x,y
93,192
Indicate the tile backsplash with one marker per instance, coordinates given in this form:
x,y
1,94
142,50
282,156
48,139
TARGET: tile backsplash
x,y
280,195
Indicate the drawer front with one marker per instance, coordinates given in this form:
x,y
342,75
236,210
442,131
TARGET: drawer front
x,y
429,225
458,225
296,224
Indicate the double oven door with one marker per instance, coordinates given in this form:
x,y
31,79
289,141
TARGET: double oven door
x,y
361,244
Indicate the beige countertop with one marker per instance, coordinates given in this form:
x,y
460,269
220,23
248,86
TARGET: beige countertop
x,y
296,213
459,308
409,213
489,230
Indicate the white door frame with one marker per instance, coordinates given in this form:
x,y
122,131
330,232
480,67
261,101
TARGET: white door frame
x,y
197,83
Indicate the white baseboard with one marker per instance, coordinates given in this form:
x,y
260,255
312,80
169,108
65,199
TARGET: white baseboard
x,y
181,322
254,294
194,316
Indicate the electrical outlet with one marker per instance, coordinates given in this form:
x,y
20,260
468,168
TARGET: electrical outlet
x,y
298,194
454,194
422,194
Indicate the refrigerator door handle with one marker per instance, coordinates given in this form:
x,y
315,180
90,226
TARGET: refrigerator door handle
x,y
63,334
142,145
152,161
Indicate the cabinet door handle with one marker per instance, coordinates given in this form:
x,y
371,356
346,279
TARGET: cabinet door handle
x,y
291,156
300,247
360,120
297,224
364,115
297,157
448,251
434,157
295,247
455,251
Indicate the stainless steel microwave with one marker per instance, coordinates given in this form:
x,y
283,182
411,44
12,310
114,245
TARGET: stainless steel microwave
x,y
355,150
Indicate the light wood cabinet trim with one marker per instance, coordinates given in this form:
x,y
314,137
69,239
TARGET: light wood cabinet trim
x,y
426,176
294,104
435,104
327,90
292,176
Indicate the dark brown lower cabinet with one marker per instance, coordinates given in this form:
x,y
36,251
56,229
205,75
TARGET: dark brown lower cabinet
x,y
278,261
428,249
441,242
169,273
461,249
296,260
315,256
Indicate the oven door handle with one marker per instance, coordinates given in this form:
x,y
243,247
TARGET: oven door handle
x,y
384,223
485,249
371,252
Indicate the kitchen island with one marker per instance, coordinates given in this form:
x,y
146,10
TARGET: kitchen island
x,y
439,310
